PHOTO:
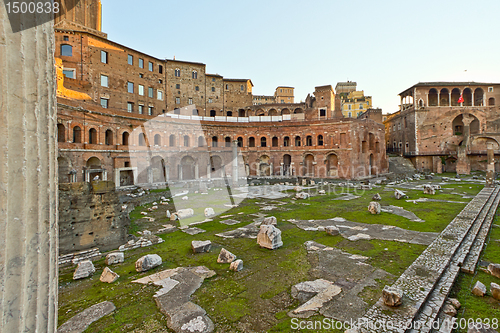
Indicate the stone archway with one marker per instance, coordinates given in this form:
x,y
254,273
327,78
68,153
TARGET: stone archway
x,y
309,165
187,168
264,166
332,164
216,167
158,170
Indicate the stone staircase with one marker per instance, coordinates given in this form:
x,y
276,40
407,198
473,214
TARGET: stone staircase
x,y
399,165
429,279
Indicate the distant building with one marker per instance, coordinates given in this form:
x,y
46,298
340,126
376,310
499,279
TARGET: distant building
x,y
446,126
353,102
282,95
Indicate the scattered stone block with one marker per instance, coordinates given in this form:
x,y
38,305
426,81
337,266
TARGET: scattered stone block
x,y
168,214
399,194
269,237
114,258
201,246
357,237
304,291
271,220
495,290
229,222
310,307
332,230
429,189
479,289
376,197
108,276
374,207
185,198
302,195
184,213
321,192
209,212
83,270
146,233
193,231
173,217
81,321
455,302
236,265
494,270
449,309
225,257
297,189
147,262
392,296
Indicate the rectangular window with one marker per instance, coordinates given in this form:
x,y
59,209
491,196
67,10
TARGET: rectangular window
x,y
177,100
197,88
190,101
69,73
361,106
104,80
209,100
130,87
104,103
130,107
130,59
160,69
160,95
177,86
141,90
213,79
141,63
150,110
141,109
242,88
66,38
213,89
227,86
490,89
150,66
349,106
150,92
104,57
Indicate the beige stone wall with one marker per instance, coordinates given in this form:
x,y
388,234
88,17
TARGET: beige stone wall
x,y
186,85
237,93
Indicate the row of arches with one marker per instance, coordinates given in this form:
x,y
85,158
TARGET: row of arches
x,y
446,97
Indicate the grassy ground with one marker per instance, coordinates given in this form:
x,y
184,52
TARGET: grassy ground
x,y
257,298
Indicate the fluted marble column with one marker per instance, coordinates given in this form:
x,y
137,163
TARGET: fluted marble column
x,y
28,178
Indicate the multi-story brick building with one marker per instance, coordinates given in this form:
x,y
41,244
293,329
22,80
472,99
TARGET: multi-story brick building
x,y
446,125
136,119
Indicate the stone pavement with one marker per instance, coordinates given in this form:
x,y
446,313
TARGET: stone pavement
x,y
173,298
430,277
81,321
350,230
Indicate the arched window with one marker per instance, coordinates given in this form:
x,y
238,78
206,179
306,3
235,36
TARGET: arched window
x,y
240,141
320,140
66,50
186,141
171,140
297,141
157,140
77,134
275,142
142,140
125,136
61,132
212,113
433,97
251,141
92,136
309,141
195,74
229,113
491,101
214,141
263,141
108,138
177,72
478,97
227,140
286,141
201,141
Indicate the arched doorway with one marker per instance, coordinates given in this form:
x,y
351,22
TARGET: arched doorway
x,y
216,166
158,170
309,165
332,163
187,168
264,166
61,133
373,169
94,169
287,165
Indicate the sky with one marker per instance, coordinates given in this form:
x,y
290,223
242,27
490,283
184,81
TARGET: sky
x,y
385,46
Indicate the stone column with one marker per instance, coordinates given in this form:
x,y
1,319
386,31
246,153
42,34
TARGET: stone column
x,y
490,168
28,178
235,163
196,171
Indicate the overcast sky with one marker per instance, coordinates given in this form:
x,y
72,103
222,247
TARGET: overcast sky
x,y
385,46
